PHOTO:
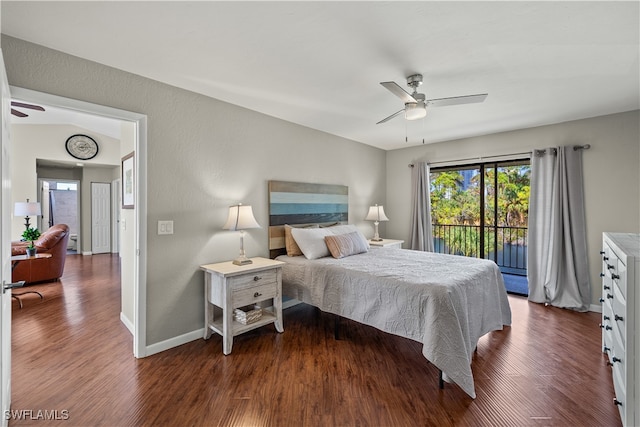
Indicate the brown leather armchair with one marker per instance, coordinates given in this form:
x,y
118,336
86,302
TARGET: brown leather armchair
x,y
53,241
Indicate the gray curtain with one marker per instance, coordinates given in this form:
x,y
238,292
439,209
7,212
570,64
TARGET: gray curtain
x,y
421,234
558,270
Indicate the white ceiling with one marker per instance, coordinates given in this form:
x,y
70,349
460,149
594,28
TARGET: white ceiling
x,y
320,64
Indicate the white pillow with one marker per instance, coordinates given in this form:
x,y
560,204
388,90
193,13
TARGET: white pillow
x,y
342,229
311,241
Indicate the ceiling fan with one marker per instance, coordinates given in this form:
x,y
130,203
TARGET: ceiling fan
x,y
415,104
23,105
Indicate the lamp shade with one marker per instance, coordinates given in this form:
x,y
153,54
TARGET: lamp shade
x,y
27,209
240,218
376,213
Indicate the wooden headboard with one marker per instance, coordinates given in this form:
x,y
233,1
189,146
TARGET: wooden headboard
x,y
299,203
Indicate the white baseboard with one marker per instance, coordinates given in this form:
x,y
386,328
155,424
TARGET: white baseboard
x,y
128,323
175,341
87,253
290,303
595,307
189,336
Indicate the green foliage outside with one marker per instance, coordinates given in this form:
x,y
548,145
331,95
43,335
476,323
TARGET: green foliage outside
x,y
452,204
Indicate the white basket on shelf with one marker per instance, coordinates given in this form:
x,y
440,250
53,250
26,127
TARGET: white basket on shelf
x,y
248,314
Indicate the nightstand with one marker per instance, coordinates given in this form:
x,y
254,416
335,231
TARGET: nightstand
x,y
228,286
387,243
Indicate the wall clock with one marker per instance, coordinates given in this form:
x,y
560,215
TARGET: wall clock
x,y
82,147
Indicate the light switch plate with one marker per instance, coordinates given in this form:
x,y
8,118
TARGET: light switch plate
x,y
165,227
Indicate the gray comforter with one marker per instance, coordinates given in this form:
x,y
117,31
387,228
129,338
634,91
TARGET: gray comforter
x,y
445,302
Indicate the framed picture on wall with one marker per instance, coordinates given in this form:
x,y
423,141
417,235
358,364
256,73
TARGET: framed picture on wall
x,y
127,180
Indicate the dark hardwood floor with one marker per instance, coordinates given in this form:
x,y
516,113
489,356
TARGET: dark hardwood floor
x,y
73,358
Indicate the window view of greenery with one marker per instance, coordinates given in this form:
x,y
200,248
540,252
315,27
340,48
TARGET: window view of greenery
x,y
471,218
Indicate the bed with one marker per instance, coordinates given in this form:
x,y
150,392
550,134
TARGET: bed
x,y
446,302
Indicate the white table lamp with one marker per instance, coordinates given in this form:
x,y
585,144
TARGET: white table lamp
x,y
376,214
241,218
27,209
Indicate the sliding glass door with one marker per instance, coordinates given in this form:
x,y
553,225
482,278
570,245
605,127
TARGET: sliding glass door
x,y
481,210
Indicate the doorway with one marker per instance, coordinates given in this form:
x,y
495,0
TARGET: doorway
x,y
481,210
60,202
133,271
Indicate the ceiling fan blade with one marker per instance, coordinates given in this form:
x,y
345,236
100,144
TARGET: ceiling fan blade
x,y
390,117
23,105
456,100
18,113
395,89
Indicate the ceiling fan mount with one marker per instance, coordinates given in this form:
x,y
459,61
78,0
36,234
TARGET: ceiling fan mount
x,y
415,104
414,81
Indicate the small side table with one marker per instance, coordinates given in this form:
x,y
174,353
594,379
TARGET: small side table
x,y
387,243
228,286
17,259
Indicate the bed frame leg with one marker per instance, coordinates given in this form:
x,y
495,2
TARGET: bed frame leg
x,y
440,379
336,327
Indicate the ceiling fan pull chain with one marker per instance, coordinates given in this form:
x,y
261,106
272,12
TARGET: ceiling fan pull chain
x,y
406,133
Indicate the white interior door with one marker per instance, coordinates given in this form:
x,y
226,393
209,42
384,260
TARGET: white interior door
x,y
115,218
44,205
100,217
5,248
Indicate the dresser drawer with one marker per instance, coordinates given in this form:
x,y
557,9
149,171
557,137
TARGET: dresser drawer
x,y
250,280
618,319
254,294
619,389
618,355
621,278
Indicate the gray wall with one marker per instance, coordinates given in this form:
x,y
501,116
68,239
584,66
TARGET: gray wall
x,y
203,155
611,173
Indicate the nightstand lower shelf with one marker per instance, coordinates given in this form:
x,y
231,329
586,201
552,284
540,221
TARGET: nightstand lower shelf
x,y
238,328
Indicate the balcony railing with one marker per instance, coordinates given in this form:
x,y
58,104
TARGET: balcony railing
x,y
507,246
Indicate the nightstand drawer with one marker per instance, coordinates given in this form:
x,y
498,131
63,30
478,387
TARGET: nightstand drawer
x,y
252,295
254,279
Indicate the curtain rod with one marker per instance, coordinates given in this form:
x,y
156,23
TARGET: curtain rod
x,y
540,153
528,153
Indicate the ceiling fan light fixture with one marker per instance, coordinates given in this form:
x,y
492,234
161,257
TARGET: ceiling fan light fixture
x,y
414,110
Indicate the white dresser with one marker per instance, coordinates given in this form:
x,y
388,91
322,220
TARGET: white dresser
x,y
620,319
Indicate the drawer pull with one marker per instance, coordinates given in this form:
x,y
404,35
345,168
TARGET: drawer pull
x,y
610,267
607,287
608,328
606,348
615,276
256,278
609,296
605,258
617,402
257,294
601,252
606,317
601,300
616,317
615,359
601,274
